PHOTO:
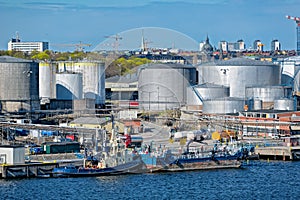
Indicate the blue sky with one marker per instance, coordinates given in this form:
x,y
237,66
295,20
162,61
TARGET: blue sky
x,y
89,21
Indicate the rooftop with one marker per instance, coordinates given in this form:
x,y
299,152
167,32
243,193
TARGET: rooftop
x,y
9,59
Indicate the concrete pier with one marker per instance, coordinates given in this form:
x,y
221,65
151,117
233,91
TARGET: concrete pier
x,y
27,170
278,153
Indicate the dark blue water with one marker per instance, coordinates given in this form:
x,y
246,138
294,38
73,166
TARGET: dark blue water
x,y
259,180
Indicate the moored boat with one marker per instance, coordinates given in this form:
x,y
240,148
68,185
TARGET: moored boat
x,y
114,159
134,166
216,158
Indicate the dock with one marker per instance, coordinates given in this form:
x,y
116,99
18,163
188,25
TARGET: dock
x,y
285,153
27,170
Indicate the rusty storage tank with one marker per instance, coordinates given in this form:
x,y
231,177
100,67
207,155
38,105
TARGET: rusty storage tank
x,y
284,104
223,105
19,84
239,73
164,86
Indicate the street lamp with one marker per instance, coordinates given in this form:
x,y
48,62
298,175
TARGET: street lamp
x,y
148,97
157,97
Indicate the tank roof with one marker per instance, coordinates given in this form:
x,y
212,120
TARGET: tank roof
x,y
241,61
293,58
166,66
129,78
210,85
9,59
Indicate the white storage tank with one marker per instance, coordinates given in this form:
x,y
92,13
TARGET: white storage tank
x,y
212,91
47,81
256,104
239,73
68,86
223,105
268,93
284,104
93,77
164,86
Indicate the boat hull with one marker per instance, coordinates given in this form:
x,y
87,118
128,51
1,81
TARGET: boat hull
x,y
136,166
193,163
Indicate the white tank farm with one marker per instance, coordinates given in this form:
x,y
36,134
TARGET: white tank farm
x,y
239,73
164,86
284,104
47,89
18,84
68,86
268,93
223,105
93,77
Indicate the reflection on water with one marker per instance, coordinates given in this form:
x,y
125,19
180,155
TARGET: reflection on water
x,y
259,180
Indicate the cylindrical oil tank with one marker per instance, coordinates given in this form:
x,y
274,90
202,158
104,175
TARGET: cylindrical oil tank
x,y
93,78
284,104
223,105
47,81
19,86
211,91
255,104
239,73
68,86
164,86
268,93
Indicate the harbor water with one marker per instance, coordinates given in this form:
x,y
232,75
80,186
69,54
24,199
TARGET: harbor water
x,y
257,180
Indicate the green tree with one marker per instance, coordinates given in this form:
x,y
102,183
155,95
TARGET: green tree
x,y
41,56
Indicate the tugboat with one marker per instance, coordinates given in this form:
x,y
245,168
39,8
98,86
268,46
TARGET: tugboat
x,y
115,159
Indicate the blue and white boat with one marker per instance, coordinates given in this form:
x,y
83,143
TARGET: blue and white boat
x,y
115,159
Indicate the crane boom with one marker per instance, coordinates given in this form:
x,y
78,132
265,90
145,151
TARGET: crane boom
x,y
79,46
116,44
297,20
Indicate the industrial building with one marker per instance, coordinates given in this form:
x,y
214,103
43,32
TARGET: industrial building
x,y
258,45
122,91
275,45
19,85
28,47
12,154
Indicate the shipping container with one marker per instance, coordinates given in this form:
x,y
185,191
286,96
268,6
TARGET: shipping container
x,y
48,133
61,147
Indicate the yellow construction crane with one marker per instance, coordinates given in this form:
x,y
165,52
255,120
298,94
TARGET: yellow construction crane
x,y
78,47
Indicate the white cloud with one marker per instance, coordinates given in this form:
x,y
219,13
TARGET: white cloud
x,y
74,4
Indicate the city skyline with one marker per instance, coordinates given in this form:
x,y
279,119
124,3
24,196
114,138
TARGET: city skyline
x,y
71,21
